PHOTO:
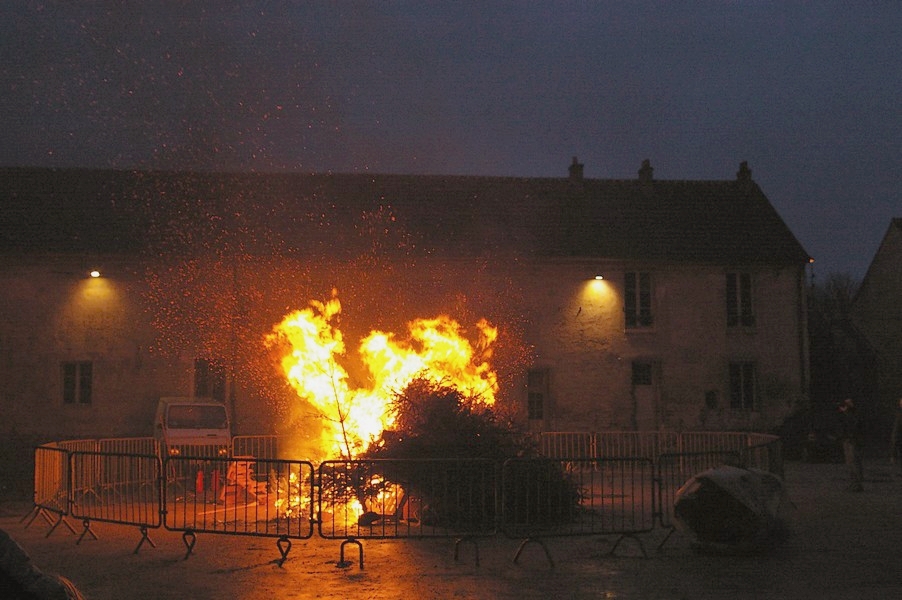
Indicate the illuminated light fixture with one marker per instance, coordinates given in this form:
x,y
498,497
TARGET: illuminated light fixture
x,y
599,277
95,274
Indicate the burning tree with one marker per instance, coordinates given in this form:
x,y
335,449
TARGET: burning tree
x,y
311,344
436,420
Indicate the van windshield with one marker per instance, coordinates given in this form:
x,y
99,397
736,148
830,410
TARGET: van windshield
x,y
183,416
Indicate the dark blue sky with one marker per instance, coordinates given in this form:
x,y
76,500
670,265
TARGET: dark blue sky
x,y
807,92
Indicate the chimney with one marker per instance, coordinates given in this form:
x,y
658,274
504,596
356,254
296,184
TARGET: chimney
x,y
744,174
645,172
576,170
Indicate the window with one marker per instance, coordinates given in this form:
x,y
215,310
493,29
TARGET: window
x,y
536,394
194,416
739,300
77,382
642,373
637,300
742,386
209,380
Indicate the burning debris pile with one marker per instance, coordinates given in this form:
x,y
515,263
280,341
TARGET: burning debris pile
x,y
353,416
290,502
423,439
434,422
418,380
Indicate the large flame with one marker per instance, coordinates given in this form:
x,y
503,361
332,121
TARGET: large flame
x,y
435,349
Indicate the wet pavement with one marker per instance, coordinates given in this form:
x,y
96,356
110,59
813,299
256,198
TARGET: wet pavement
x,y
843,546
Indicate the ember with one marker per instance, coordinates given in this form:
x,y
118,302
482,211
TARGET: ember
x,y
289,503
434,349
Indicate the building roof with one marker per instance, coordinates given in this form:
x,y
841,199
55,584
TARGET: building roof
x,y
100,211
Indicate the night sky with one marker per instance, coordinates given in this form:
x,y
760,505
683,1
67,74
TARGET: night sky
x,y
809,93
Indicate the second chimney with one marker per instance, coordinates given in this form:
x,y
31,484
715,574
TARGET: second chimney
x,y
576,170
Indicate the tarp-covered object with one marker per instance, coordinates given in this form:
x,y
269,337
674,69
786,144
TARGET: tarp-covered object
x,y
728,508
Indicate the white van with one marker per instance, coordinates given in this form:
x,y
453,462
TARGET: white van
x,y
192,427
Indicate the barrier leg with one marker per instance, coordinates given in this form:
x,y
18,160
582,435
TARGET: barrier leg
x,y
32,515
190,539
85,531
631,536
284,545
541,544
341,562
144,538
670,531
470,540
61,519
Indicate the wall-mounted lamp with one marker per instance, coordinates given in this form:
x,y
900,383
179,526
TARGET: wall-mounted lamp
x,y
599,277
95,274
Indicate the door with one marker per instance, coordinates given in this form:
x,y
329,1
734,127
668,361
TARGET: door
x,y
645,396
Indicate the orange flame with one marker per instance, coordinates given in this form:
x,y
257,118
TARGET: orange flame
x,y
435,349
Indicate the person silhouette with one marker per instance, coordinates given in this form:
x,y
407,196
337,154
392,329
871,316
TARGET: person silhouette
x,y
851,436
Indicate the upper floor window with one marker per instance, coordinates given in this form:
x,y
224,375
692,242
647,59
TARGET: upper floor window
x,y
742,386
78,381
637,300
739,300
209,380
537,394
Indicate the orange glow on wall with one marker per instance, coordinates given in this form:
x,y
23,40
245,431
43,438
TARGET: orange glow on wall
x,y
598,291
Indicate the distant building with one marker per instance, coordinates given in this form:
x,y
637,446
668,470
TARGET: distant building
x,y
623,304
877,314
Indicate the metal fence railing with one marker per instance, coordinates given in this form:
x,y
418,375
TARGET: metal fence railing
x,y
241,495
51,486
604,483
116,488
552,498
407,498
651,444
545,498
261,446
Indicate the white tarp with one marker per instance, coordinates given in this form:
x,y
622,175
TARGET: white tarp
x,y
732,508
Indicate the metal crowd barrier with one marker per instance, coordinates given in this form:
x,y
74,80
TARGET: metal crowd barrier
x,y
407,498
116,488
576,497
261,446
756,450
51,486
116,474
643,444
419,498
242,495
568,444
589,485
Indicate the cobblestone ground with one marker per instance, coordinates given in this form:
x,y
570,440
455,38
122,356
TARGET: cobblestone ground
x,y
843,546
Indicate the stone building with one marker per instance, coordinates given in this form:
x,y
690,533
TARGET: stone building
x,y
622,304
877,314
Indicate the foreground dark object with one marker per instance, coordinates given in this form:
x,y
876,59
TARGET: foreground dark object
x,y
21,580
730,509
